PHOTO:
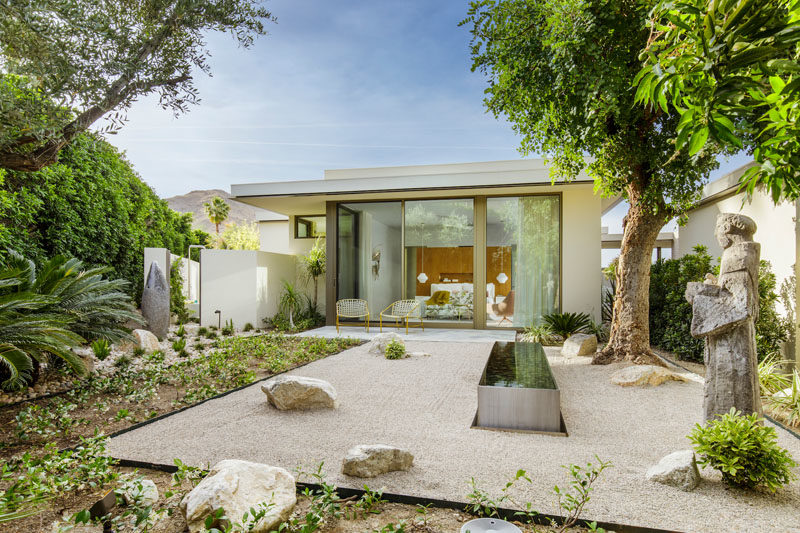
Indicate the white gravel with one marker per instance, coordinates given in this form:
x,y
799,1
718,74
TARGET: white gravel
x,y
427,404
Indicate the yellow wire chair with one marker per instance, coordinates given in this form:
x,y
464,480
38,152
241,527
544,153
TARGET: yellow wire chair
x,y
402,310
352,308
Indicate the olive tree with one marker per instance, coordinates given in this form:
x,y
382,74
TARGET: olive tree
x,y
64,64
562,72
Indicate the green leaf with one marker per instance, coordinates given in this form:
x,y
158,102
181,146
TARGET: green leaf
x,y
698,140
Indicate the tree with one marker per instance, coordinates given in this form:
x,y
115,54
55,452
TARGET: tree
x,y
217,211
64,64
314,266
242,236
561,72
730,70
91,205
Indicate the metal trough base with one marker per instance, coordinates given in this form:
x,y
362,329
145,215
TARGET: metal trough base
x,y
519,409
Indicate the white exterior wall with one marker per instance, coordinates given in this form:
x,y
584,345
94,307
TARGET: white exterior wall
x,y
580,248
244,285
776,229
190,273
274,236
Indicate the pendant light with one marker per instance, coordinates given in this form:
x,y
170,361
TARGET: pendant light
x,y
501,277
423,277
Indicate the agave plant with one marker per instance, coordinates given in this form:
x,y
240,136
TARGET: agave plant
x,y
49,313
770,376
566,324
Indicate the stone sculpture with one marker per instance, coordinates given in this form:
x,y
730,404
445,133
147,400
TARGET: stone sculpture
x,y
155,301
724,312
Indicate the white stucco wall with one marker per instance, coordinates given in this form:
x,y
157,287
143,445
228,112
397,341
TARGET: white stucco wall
x,y
580,262
274,236
776,231
244,285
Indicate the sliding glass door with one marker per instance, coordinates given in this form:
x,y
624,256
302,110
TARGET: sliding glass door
x,y
369,263
439,256
523,245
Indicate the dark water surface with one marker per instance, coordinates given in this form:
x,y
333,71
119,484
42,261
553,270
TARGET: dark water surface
x,y
518,364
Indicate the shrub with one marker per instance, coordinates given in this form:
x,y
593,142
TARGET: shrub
x,y
540,333
202,331
101,349
177,303
181,331
179,345
395,350
227,329
565,324
248,327
744,451
290,302
138,352
770,376
671,314
788,403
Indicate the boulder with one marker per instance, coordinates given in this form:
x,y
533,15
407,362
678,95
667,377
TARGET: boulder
x,y
579,344
298,392
378,343
236,486
145,340
155,301
677,469
642,375
142,491
370,460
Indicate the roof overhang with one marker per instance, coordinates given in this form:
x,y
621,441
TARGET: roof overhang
x,y
613,241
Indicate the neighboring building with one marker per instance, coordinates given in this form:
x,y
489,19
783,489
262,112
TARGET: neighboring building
x,y
461,239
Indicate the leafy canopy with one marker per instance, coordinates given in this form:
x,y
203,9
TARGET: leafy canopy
x,y
561,72
217,211
730,69
64,64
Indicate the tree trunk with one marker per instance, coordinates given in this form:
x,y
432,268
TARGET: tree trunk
x,y
316,293
629,339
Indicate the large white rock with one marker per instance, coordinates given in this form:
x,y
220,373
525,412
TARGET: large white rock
x,y
678,469
145,340
370,460
236,486
379,342
579,344
299,392
641,375
143,491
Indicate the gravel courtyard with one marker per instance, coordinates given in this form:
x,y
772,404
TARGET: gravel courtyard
x,y
426,404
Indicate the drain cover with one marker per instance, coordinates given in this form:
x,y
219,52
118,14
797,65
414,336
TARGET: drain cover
x,y
489,525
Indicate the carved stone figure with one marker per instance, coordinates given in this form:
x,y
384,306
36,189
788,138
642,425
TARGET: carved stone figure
x,y
155,301
724,313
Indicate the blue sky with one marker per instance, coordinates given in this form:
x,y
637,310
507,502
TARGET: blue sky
x,y
334,85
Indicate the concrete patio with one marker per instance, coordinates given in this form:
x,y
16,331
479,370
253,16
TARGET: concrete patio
x,y
415,334
426,404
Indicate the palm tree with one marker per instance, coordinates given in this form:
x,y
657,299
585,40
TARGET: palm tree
x,y
314,265
217,211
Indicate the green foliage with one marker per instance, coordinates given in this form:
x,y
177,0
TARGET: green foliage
x,y
58,76
92,206
744,450
395,350
202,331
787,403
177,302
598,330
181,331
729,68
228,329
314,266
670,313
179,345
101,349
248,327
541,333
240,237
217,211
770,376
565,324
290,302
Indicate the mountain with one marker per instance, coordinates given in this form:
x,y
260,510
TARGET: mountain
x,y
193,203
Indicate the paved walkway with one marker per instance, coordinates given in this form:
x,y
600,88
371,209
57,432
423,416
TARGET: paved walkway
x,y
416,334
426,404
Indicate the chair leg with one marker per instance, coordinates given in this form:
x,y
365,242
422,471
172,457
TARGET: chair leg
x,y
337,324
421,324
380,321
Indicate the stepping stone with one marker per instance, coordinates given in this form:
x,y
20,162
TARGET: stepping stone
x,y
236,486
642,375
298,392
370,460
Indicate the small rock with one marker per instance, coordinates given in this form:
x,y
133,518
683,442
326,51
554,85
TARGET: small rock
x,y
235,486
144,491
373,460
641,375
579,344
379,342
678,469
298,392
417,354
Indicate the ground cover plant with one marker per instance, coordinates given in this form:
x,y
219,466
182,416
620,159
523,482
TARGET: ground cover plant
x,y
139,388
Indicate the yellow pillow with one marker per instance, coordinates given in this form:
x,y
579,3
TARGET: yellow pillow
x,y
439,298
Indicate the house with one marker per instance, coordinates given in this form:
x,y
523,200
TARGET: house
x,y
477,245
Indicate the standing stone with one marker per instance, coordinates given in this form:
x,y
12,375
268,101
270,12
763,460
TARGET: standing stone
x,y
155,301
678,469
375,459
579,344
724,314
237,486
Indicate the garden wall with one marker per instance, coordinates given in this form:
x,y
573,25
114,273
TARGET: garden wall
x,y
244,285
